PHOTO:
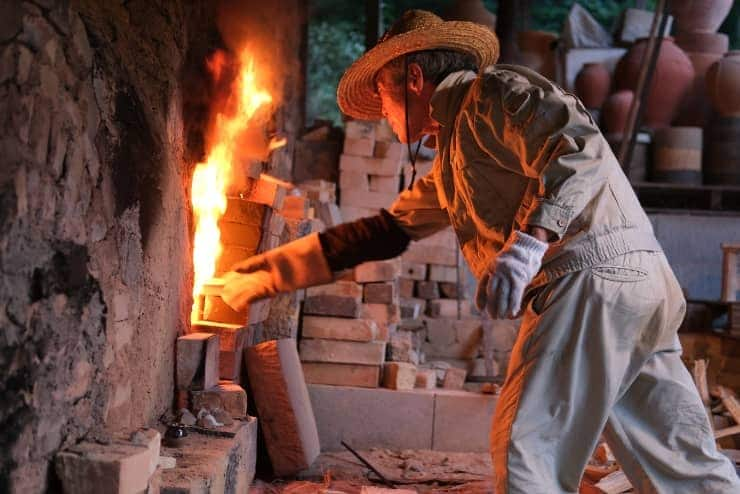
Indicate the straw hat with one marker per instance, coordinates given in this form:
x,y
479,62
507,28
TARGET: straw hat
x,y
416,30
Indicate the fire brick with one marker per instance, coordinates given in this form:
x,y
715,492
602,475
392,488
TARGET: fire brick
x,y
226,395
197,361
343,352
339,328
454,378
428,290
381,293
399,375
364,376
373,271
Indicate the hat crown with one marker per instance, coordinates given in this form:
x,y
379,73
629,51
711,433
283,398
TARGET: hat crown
x,y
411,20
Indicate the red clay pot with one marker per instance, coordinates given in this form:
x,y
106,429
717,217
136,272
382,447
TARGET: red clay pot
x,y
700,15
695,108
723,84
592,85
616,110
701,42
671,81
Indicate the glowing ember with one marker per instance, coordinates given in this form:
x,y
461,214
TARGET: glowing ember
x,y
211,179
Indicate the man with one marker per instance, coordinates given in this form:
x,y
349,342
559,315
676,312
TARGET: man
x,y
550,226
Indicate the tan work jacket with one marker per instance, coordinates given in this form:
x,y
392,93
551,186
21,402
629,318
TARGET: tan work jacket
x,y
515,150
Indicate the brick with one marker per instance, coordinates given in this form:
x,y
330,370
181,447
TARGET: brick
x,y
381,313
351,180
294,207
342,299
276,225
444,238
281,398
375,200
427,290
406,288
401,348
448,308
232,254
468,332
342,352
441,331
364,376
454,378
399,375
259,311
241,211
351,213
372,271
329,213
269,191
358,147
384,132
232,339
240,234
450,351
379,183
359,129
216,310
436,255
371,166
380,293
319,190
414,270
335,328
412,308
197,361
426,379
385,330
395,151
226,395
443,273
117,468
450,290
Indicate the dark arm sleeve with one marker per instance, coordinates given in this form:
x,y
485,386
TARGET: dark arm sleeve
x,y
367,239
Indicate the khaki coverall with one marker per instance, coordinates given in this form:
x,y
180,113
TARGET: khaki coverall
x,y
597,350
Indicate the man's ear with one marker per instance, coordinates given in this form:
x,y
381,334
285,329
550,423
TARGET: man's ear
x,y
415,78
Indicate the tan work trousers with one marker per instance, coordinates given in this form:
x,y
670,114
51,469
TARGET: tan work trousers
x,y
598,351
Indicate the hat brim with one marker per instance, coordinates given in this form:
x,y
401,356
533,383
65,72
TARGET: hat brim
x,y
356,93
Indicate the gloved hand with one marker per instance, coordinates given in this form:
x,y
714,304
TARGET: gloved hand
x,y
298,264
500,291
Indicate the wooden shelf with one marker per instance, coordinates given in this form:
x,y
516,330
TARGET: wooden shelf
x,y
697,198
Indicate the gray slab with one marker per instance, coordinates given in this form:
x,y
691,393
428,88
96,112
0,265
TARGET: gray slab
x,y
372,418
462,421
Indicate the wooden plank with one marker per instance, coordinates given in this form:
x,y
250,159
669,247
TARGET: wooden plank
x,y
731,403
728,431
700,380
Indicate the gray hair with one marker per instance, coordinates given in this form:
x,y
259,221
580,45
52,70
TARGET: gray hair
x,y
435,64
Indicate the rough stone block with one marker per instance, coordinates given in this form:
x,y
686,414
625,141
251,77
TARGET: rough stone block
x,y
414,270
342,299
454,378
280,395
343,352
371,166
336,328
197,361
406,287
443,273
364,376
372,418
399,375
227,396
381,293
462,421
358,146
426,379
428,290
373,271
384,184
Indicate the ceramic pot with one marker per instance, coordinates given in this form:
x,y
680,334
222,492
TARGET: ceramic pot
x,y
671,80
723,84
615,111
700,15
473,11
695,108
538,51
677,155
701,42
592,85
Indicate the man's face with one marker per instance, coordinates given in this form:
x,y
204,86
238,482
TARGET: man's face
x,y
393,105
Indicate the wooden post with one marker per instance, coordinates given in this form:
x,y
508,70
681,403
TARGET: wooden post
x,y
374,22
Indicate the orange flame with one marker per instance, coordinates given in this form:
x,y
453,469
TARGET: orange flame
x,y
211,178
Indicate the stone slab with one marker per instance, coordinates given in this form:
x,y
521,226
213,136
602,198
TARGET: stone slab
x,y
462,421
372,418
364,376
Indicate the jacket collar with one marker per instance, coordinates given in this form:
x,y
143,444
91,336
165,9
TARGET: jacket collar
x,y
446,98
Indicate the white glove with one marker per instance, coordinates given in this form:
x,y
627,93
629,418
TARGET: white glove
x,y
500,291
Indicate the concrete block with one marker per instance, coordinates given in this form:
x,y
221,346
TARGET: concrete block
x,y
414,270
359,129
462,421
384,292
454,378
358,147
350,181
373,271
372,418
384,184
443,273
406,287
280,395
227,396
371,166
364,376
426,379
197,361
342,299
399,375
343,352
336,328
427,290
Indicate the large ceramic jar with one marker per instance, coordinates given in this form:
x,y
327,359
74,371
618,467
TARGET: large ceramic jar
x,y
538,51
672,79
723,84
473,11
616,111
592,85
700,15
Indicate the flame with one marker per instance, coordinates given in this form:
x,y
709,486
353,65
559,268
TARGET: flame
x,y
212,178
